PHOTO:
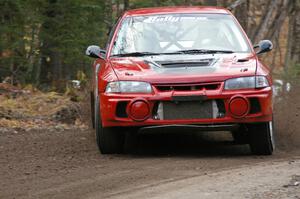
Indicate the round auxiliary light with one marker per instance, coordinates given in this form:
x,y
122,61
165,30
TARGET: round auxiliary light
x,y
239,107
139,110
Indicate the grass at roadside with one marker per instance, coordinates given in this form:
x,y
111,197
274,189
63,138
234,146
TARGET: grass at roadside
x,y
36,109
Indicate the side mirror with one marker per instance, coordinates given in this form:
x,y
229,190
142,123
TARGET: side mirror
x,y
95,52
264,46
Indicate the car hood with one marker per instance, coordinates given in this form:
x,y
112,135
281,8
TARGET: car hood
x,y
184,68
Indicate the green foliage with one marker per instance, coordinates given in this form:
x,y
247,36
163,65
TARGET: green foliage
x,y
32,30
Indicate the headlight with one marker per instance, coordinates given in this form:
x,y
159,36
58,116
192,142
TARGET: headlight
x,y
128,87
246,82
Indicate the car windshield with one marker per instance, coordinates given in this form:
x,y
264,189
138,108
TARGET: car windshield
x,y
171,33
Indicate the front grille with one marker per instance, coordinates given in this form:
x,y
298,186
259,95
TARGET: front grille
x,y
188,87
189,110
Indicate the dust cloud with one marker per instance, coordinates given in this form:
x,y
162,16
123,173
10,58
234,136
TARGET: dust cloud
x,y
287,118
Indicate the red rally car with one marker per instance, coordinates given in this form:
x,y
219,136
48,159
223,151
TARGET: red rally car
x,y
181,67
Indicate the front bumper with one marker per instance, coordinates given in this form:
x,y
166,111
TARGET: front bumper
x,y
114,107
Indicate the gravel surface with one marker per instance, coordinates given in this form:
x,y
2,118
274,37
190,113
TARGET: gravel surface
x,y
67,164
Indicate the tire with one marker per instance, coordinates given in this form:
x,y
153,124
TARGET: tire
x,y
93,109
131,141
110,140
241,135
262,138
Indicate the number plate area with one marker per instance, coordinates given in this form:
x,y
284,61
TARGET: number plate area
x,y
187,110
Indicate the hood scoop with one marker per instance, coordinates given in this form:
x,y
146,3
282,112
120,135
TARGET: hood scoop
x,y
186,63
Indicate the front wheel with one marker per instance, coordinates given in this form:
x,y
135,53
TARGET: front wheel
x,y
241,135
110,140
262,138
92,97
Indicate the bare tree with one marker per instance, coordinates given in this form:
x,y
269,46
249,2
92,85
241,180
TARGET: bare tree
x,y
211,2
126,4
295,32
262,29
240,8
235,4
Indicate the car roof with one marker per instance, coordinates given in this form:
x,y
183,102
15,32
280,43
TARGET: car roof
x,y
170,10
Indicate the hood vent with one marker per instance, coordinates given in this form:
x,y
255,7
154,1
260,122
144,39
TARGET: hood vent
x,y
185,63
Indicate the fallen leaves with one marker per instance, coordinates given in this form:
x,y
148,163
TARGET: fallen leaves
x,y
36,110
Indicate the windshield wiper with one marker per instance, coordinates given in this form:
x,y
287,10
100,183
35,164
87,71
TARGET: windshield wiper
x,y
139,54
135,54
204,51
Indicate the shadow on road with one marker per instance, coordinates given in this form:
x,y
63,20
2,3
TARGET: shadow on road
x,y
188,144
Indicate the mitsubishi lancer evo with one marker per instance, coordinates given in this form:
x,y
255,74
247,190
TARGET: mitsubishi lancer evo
x,y
187,68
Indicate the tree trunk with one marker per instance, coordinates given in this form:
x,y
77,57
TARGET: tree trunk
x,y
51,64
295,37
126,4
241,14
262,29
156,2
187,2
211,2
108,10
223,3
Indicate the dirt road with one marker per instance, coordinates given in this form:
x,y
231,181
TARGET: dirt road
x,y
66,164
257,181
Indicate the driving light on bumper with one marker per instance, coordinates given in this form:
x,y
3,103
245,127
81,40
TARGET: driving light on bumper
x,y
246,82
128,87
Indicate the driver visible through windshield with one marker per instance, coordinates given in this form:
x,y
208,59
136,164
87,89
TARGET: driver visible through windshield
x,y
179,33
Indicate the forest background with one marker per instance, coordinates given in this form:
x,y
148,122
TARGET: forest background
x,y
42,42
